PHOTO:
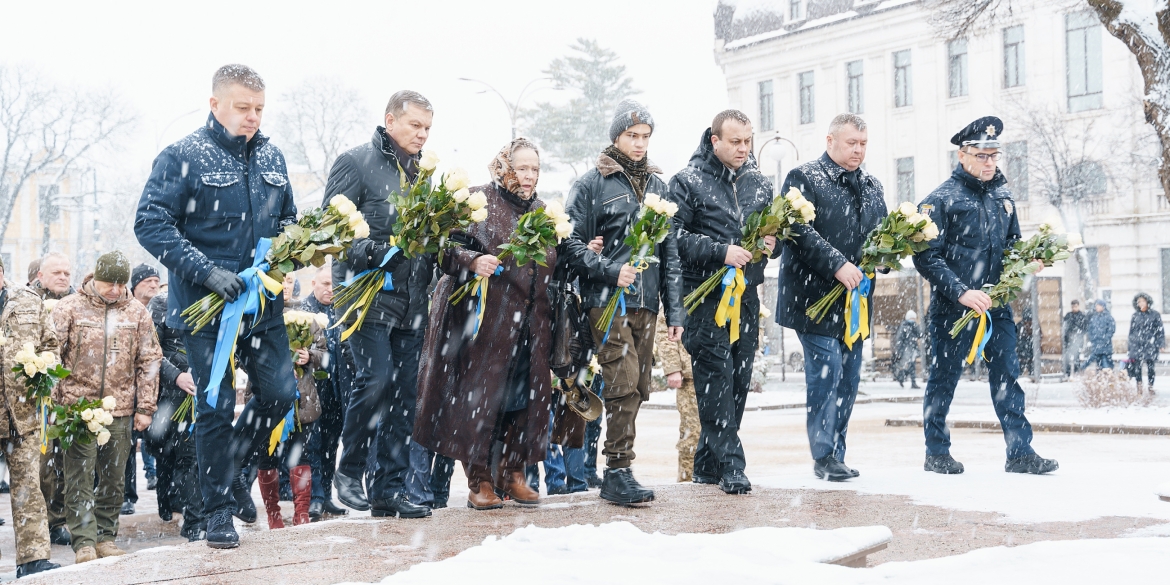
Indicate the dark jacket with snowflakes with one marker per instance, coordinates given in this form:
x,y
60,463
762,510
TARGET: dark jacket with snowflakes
x,y
713,204
809,261
1146,332
209,199
976,222
603,203
1100,332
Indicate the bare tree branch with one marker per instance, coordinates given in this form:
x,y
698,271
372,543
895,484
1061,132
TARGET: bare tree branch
x,y
324,118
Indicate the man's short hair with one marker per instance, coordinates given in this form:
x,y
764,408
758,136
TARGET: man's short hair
x,y
236,74
725,115
57,255
1075,302
34,267
398,101
843,120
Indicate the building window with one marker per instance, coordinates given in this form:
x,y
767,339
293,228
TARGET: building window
x,y
854,74
1013,56
902,79
766,122
795,10
1083,36
905,167
807,101
1165,278
957,67
1089,179
1015,168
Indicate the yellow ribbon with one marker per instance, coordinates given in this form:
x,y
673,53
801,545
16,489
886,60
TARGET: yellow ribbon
x,y
479,288
982,336
857,309
731,302
44,403
274,438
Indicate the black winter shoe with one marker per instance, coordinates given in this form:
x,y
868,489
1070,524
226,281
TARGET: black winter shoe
x,y
350,492
316,510
220,532
558,490
397,505
1031,463
165,513
593,481
127,508
735,482
620,487
245,508
333,509
60,535
4,489
830,469
944,464
151,483
194,531
852,471
32,567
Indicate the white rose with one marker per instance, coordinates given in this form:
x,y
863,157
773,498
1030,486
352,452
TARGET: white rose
x,y
808,213
764,312
342,205
103,437
94,426
322,320
907,208
461,195
355,219
479,215
930,231
793,195
652,200
49,304
1075,241
476,201
49,358
107,418
429,161
554,209
87,415
362,230
456,180
109,403
563,230
670,208
915,218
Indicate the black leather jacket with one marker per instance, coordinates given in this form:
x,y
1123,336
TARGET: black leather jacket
x,y
603,203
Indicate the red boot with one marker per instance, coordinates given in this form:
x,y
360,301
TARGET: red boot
x,y
269,480
301,478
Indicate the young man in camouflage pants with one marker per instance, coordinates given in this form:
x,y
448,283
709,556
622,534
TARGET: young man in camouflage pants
x,y
23,319
676,366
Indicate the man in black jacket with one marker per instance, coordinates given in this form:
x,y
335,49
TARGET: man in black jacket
x,y
976,221
849,204
604,203
387,348
716,193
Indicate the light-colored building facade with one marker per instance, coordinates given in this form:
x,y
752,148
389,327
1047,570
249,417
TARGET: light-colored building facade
x,y
67,205
792,65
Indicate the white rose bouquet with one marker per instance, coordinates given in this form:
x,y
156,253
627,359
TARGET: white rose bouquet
x,y
49,304
320,232
298,324
649,229
427,212
40,372
83,423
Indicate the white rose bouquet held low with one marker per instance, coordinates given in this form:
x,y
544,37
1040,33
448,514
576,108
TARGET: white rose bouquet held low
x,y
299,324
49,304
83,423
319,233
40,372
650,228
427,213
777,220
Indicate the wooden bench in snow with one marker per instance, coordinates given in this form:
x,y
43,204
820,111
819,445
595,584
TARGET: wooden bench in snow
x,y
847,547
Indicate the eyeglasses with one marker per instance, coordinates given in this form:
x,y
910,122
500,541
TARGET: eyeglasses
x,y
984,156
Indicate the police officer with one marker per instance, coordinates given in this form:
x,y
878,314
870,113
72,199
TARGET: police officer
x,y
977,221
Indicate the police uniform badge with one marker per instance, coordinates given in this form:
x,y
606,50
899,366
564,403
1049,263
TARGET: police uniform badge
x,y
1008,207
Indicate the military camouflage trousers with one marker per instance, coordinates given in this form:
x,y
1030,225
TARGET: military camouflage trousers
x,y
688,429
29,518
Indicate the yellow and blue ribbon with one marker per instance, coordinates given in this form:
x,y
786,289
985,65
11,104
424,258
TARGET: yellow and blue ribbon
x,y
44,406
621,301
260,288
387,284
479,288
982,336
731,302
857,301
283,428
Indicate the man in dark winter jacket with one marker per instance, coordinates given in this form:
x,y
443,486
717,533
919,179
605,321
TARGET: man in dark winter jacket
x,y
1100,332
1147,336
171,443
717,191
387,348
1073,326
849,204
976,221
210,198
604,203
905,349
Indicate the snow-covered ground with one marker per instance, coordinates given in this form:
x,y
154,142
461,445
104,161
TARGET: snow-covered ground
x,y
620,553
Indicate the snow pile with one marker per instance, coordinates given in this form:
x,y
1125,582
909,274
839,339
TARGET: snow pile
x,y
620,553
1163,491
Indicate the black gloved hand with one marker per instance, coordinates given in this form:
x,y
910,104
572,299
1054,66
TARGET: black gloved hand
x,y
225,283
377,253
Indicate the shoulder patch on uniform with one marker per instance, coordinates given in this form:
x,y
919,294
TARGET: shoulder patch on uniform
x,y
925,208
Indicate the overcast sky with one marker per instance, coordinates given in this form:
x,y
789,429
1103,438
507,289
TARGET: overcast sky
x,y
160,56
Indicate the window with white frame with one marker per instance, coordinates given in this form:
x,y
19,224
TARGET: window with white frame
x,y
902,92
1083,55
1013,56
855,86
807,98
957,68
766,106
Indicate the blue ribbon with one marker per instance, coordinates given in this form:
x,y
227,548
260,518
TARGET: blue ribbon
x,y
855,306
621,305
986,336
232,318
288,423
478,307
388,283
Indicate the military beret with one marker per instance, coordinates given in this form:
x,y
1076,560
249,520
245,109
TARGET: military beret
x,y
982,133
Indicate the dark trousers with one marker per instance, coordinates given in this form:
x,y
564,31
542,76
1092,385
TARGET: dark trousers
x,y
831,374
221,448
324,437
592,436
382,406
130,491
1103,361
1003,369
429,481
178,477
1135,369
723,375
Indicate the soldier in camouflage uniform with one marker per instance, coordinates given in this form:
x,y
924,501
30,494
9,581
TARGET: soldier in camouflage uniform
x,y
676,365
23,320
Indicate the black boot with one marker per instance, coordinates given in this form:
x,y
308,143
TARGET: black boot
x,y
397,505
333,509
245,508
350,492
60,535
592,481
830,469
944,464
220,532
194,531
316,510
734,482
620,487
1031,463
32,567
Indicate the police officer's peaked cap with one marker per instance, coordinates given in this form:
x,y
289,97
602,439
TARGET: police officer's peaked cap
x,y
982,133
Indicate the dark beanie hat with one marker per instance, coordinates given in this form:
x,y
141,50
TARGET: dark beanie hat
x,y
112,267
141,273
628,113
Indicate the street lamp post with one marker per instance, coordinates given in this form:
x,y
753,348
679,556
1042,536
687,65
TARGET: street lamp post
x,y
513,107
760,151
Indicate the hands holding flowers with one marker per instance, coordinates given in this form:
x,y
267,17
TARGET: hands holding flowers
x,y
83,423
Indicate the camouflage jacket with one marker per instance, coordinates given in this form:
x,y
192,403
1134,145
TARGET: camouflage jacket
x,y
24,321
111,349
671,355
